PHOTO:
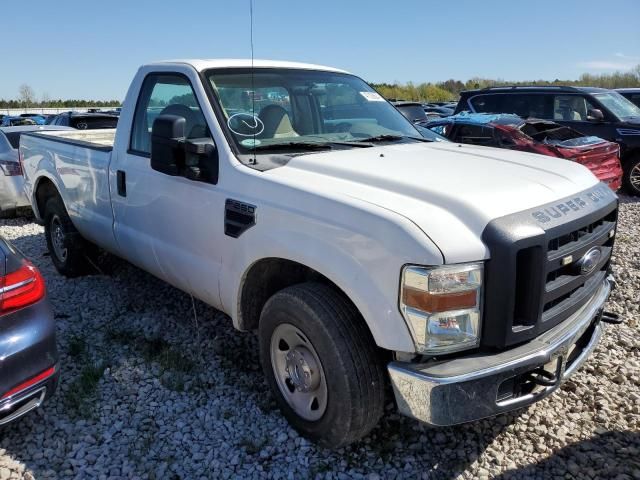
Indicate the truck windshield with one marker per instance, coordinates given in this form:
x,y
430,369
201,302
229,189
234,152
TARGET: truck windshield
x,y
618,105
282,106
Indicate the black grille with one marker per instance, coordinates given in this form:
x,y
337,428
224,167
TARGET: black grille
x,y
566,289
534,279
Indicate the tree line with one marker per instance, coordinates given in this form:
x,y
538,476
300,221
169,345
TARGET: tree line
x,y
423,92
450,89
59,103
27,99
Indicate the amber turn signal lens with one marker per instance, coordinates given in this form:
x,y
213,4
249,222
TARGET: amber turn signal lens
x,y
444,302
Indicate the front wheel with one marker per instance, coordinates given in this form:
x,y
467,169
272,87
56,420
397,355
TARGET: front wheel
x,y
631,177
321,363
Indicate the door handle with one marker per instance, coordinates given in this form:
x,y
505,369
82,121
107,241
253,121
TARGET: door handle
x,y
121,182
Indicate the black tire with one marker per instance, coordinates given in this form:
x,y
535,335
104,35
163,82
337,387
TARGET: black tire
x,y
355,378
75,261
632,170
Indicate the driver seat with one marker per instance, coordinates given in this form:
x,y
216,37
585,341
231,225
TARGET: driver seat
x,y
276,122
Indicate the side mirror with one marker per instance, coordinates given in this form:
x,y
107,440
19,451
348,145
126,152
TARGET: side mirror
x,y
167,138
201,160
595,115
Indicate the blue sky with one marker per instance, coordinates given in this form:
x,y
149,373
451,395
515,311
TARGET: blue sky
x,y
91,49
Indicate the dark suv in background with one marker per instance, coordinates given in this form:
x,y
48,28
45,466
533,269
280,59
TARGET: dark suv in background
x,y
85,121
591,111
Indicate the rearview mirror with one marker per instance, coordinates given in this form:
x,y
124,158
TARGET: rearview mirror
x,y
595,115
167,138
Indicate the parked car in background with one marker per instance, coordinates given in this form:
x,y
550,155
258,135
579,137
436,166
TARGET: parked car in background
x,y
11,121
631,94
36,117
11,181
438,111
449,105
591,111
412,111
28,353
537,136
114,112
363,255
85,121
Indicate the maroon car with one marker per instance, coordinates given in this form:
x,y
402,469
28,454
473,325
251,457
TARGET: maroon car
x,y
537,136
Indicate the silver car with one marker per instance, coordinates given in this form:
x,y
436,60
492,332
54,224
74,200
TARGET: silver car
x,y
11,181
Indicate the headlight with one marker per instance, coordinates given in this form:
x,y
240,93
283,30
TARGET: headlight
x,y
442,306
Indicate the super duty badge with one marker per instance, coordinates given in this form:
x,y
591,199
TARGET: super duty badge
x,y
575,204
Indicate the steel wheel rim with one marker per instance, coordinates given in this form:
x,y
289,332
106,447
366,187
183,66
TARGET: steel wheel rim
x,y
634,177
57,239
298,372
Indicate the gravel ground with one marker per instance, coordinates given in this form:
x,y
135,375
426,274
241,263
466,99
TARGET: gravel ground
x,y
149,391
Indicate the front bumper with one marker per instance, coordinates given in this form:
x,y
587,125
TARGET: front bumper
x,y
482,385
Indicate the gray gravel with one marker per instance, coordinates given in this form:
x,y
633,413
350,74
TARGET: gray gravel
x,y
149,392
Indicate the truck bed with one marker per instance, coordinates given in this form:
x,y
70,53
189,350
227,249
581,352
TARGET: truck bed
x,y
77,162
97,139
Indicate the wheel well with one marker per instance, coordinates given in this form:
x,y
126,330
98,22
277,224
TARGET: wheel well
x,y
629,155
44,191
266,277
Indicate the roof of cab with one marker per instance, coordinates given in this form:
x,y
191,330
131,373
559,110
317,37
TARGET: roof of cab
x,y
204,64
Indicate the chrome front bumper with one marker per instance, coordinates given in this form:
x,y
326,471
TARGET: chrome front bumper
x,y
474,387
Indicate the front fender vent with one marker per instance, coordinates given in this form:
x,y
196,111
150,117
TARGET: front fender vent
x,y
238,217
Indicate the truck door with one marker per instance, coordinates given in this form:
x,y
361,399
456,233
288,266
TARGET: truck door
x,y
163,223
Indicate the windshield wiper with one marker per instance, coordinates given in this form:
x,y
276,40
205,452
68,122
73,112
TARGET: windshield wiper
x,y
292,146
391,138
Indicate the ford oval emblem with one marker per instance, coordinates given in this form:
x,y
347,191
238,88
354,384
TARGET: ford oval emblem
x,y
590,260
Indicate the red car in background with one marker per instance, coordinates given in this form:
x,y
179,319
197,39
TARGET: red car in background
x,y
533,135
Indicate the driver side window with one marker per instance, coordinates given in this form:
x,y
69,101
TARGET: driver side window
x,y
170,94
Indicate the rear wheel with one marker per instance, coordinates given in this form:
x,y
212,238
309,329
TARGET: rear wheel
x,y
67,248
631,178
321,363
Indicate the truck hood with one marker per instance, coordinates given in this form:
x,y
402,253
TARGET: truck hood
x,y
449,191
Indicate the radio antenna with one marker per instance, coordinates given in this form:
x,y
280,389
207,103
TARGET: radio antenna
x,y
253,91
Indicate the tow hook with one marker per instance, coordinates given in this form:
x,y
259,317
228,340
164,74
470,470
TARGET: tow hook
x,y
541,377
612,318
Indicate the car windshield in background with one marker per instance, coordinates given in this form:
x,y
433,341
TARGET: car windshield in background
x,y
618,105
273,106
414,113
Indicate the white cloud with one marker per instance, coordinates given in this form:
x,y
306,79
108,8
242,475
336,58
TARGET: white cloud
x,y
620,62
622,55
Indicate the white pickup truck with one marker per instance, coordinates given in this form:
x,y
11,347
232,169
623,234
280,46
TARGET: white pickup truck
x,y
468,280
